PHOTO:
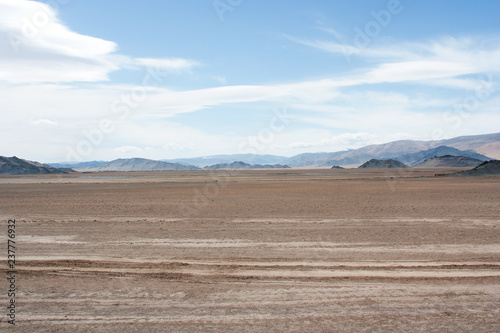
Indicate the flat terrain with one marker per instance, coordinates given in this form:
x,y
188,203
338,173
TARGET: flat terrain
x,y
254,251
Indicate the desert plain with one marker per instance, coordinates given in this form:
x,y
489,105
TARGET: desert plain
x,y
295,250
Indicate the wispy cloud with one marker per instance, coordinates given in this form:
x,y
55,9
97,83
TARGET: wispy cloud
x,y
341,140
39,48
445,59
173,64
44,122
128,149
36,50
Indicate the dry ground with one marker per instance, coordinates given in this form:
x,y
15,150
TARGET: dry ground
x,y
254,251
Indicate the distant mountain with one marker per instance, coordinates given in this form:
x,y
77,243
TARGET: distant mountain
x,y
142,164
312,159
78,165
419,157
450,162
16,166
395,149
486,144
218,159
243,165
488,168
482,147
385,164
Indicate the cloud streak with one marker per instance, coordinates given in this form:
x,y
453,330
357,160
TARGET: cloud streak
x,y
39,48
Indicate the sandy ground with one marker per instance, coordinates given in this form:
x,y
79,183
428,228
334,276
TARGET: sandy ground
x,y
254,251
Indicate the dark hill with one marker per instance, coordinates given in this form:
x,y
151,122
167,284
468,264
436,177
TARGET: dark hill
x,y
17,166
374,163
484,169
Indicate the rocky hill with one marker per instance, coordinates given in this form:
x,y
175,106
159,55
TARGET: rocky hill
x,y
449,161
384,164
142,164
243,165
489,168
17,166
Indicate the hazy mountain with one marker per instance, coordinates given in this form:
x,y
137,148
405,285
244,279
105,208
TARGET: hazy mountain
x,y
486,144
419,157
243,165
395,149
385,164
218,159
16,166
78,165
312,159
142,164
406,151
449,162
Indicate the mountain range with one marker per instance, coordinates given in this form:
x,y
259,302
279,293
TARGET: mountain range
x,y
410,152
137,164
205,161
242,165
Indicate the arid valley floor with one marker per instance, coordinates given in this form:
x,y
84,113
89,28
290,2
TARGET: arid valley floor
x,y
294,250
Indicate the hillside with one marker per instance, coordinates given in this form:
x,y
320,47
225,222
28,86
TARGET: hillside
x,y
449,161
16,166
384,164
489,168
312,159
142,164
487,144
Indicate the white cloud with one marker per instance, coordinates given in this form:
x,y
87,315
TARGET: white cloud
x,y
341,140
417,71
39,48
173,64
127,149
44,122
178,146
443,59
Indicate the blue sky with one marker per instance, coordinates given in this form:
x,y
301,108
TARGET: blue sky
x,y
96,80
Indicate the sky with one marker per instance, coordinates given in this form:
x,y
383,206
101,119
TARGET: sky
x,y
84,80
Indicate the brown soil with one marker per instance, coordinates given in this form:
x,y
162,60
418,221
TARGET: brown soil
x,y
255,251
